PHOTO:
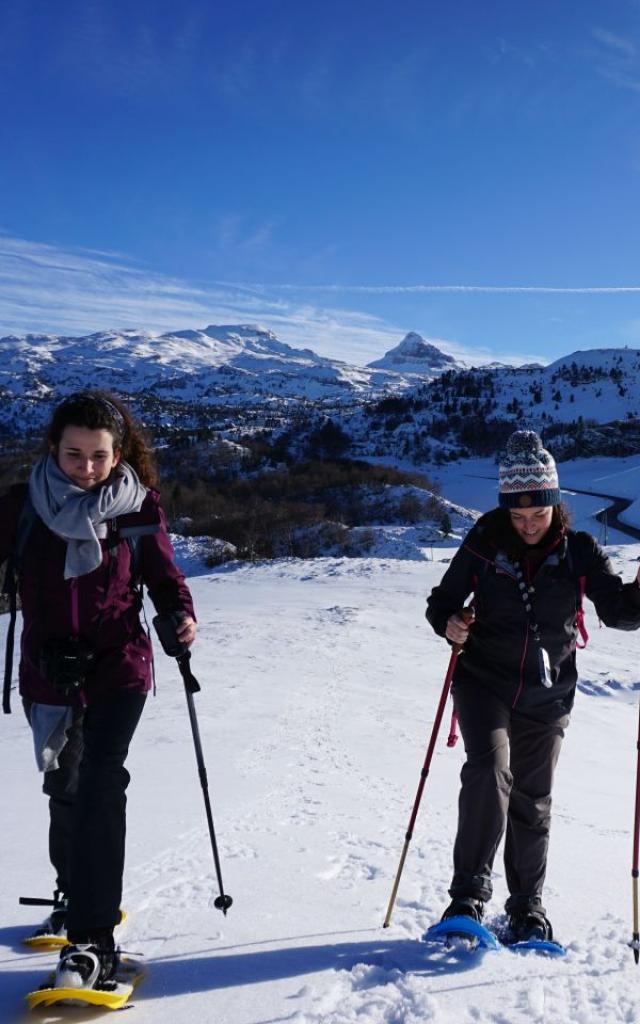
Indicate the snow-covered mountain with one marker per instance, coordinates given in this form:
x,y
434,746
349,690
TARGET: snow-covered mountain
x,y
587,402
415,403
599,385
244,369
415,356
197,365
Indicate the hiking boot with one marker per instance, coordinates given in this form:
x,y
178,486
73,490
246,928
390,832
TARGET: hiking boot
x,y
529,922
464,906
90,964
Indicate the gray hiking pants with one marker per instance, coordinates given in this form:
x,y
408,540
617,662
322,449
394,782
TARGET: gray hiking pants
x,y
506,786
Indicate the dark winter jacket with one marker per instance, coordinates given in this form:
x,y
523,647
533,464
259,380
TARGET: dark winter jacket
x,y
102,607
501,652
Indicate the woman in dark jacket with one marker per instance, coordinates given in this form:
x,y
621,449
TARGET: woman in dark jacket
x,y
514,684
95,532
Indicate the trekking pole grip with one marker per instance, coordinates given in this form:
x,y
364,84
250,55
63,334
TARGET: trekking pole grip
x,y
191,683
468,616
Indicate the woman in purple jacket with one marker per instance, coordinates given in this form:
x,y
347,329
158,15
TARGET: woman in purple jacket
x,y
86,661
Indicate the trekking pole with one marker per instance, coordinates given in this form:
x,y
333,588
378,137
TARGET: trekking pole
x,y
467,615
635,942
166,629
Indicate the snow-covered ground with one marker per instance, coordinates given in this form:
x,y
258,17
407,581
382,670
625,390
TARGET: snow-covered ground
x,y
320,681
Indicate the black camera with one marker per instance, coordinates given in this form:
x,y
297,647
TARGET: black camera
x,y
66,662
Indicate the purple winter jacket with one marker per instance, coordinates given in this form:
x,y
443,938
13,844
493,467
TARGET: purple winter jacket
x,y
101,606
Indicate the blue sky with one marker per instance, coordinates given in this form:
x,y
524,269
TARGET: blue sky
x,y
341,172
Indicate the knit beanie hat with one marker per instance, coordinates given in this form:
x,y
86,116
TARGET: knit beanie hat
x,y
528,474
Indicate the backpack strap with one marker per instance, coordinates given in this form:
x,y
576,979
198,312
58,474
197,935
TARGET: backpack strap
x,y
133,535
580,579
580,623
10,589
26,522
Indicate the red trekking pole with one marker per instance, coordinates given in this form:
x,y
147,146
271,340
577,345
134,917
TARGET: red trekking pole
x,y
635,942
468,616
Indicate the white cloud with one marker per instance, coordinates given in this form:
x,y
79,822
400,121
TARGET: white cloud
x,y
48,289
614,41
616,59
44,288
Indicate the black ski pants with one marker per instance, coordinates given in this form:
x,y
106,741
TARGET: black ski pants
x,y
506,787
87,812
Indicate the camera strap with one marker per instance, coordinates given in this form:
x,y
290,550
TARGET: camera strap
x,y
526,593
26,522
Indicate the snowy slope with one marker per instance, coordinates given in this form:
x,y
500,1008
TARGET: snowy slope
x,y
599,385
587,403
320,681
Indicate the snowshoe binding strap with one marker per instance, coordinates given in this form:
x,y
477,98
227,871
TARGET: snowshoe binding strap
x,y
464,906
530,924
86,965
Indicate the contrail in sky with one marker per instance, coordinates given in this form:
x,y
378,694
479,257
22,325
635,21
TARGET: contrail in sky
x,y
497,289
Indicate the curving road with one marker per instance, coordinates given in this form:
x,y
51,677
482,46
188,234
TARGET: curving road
x,y
610,515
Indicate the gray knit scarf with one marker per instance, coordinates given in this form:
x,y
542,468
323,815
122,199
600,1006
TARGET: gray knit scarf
x,y
80,517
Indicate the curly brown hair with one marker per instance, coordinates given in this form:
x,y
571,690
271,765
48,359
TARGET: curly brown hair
x,y
100,410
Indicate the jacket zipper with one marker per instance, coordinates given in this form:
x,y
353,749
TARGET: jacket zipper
x,y
75,626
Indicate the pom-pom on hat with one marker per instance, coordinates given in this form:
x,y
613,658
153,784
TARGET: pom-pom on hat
x,y
528,474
